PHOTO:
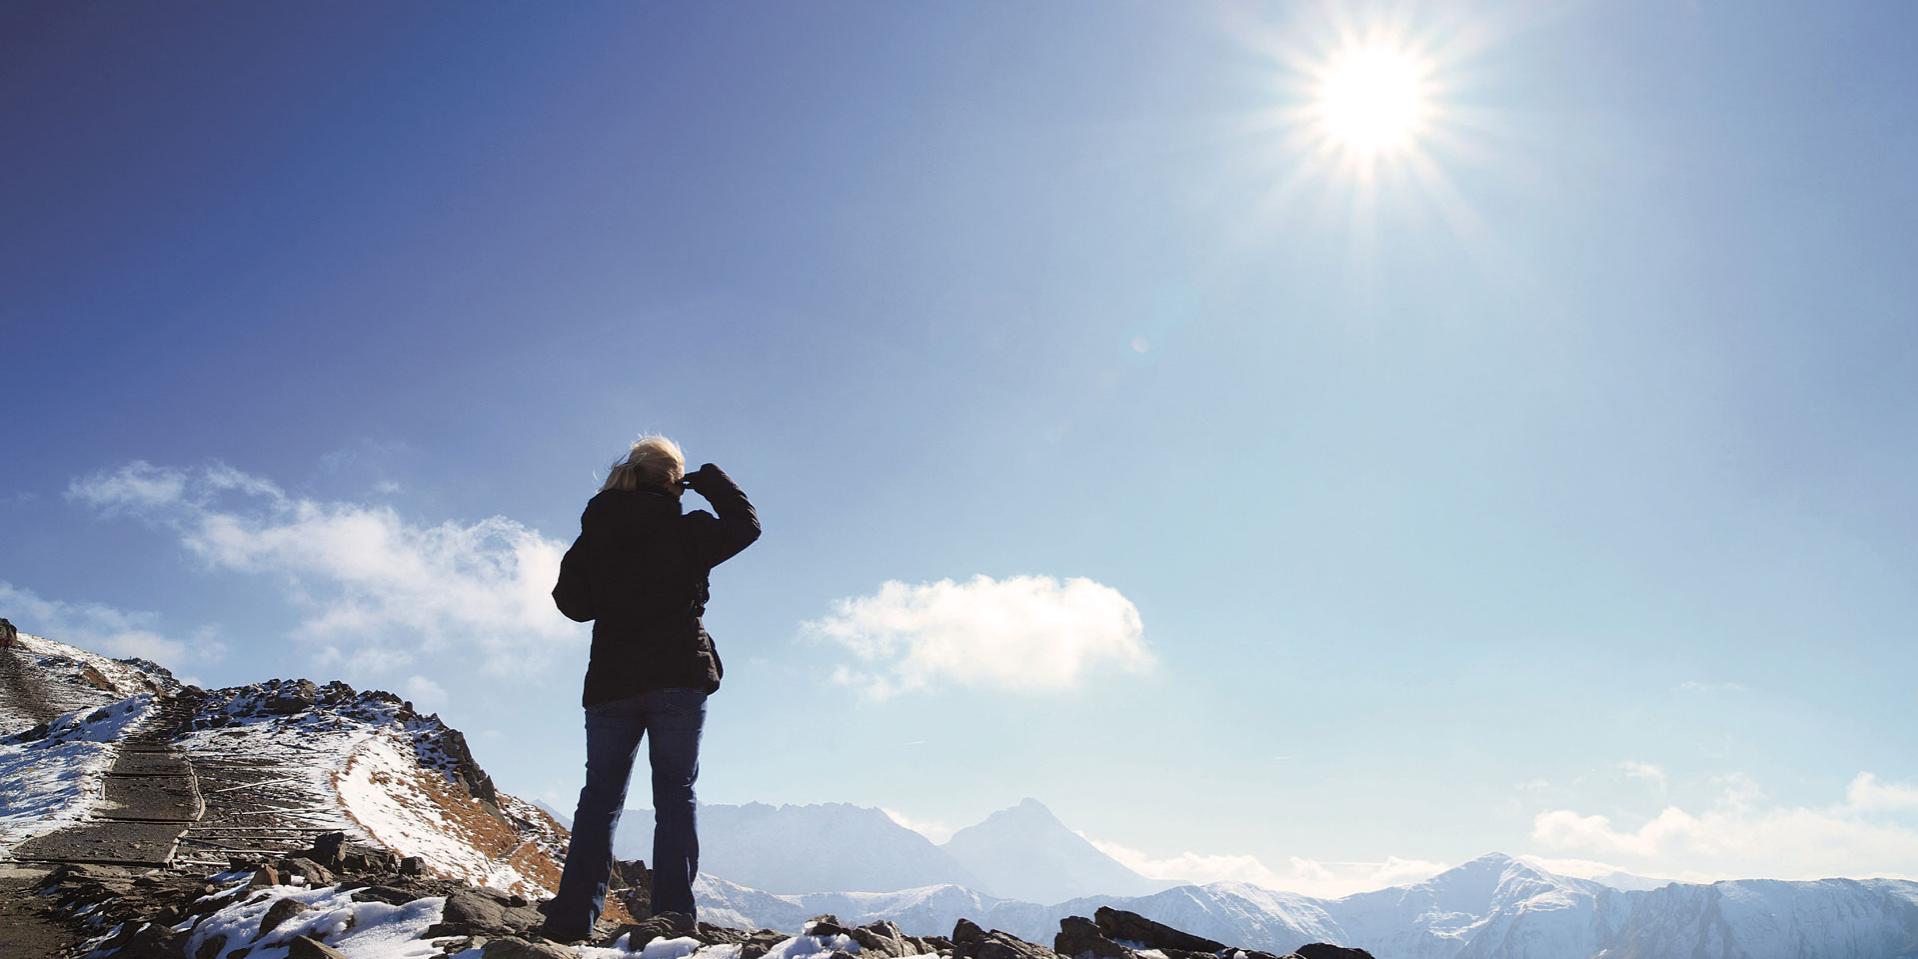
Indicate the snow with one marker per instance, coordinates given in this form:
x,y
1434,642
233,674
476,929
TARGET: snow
x,y
53,782
402,806
362,930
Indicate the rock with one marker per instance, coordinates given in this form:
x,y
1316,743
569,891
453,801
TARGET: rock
x,y
666,925
713,935
264,876
882,938
526,949
971,942
213,948
391,895
1326,950
297,696
314,873
759,943
1121,926
326,850
301,947
470,912
412,866
279,912
1080,938
824,924
8,634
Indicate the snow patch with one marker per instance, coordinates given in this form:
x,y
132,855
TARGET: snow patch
x,y
363,930
54,781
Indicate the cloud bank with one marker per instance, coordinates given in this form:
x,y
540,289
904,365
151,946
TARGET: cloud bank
x,y
1326,880
1025,634
376,586
1872,831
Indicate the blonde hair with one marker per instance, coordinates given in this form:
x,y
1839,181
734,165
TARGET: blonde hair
x,y
654,462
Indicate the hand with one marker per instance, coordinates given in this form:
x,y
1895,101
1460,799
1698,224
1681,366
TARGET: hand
x,y
704,478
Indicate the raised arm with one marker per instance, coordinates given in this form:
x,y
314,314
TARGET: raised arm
x,y
720,538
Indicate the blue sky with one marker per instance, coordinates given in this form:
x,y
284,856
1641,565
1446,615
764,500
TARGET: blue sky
x,y
1554,501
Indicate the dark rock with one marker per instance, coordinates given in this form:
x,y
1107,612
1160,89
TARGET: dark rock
x,y
713,935
412,866
471,912
301,947
1326,950
326,850
882,938
971,942
314,873
279,912
391,895
8,634
213,948
297,696
966,931
1121,926
1080,938
526,949
759,943
824,924
666,925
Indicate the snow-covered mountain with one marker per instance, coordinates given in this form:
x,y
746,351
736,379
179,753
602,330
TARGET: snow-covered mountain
x,y
260,768
1494,907
1025,852
805,848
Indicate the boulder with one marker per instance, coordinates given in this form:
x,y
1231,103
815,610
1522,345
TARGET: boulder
x,y
302,947
471,912
279,912
314,873
8,634
666,925
882,938
1128,927
971,942
516,948
1326,950
1080,938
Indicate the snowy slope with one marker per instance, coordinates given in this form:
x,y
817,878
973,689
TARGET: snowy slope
x,y
276,762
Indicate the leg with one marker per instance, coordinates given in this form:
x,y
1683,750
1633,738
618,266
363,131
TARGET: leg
x,y
675,717
613,732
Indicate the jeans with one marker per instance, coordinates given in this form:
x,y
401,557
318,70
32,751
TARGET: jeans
x,y
613,732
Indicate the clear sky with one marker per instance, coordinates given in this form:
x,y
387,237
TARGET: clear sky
x,y
1543,485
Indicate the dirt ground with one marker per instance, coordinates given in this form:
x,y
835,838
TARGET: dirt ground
x,y
33,931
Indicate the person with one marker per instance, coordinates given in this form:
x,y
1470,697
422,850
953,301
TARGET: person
x,y
639,570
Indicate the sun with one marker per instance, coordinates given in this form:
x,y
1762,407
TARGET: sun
x,y
1372,99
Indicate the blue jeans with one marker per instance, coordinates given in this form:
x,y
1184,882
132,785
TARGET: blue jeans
x,y
613,732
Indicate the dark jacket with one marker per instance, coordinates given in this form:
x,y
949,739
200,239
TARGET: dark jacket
x,y
639,571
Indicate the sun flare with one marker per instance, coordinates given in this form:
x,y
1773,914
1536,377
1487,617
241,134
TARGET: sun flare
x,y
1372,99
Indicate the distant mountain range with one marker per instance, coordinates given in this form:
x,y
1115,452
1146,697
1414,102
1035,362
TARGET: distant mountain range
x,y
1494,907
1023,852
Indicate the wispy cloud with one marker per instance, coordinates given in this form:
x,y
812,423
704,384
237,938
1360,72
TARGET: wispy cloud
x,y
375,586
1329,880
1633,769
107,629
1023,633
1872,831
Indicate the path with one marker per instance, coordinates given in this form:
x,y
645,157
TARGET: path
x,y
148,799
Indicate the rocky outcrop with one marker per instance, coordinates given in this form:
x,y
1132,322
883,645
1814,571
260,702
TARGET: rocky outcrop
x,y
8,635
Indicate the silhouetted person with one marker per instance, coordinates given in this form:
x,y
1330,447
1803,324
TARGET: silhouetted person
x,y
639,571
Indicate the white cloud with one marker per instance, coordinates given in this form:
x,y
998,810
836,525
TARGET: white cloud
x,y
1646,771
1867,794
1023,633
424,693
1745,835
1328,880
375,585
105,629
932,829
